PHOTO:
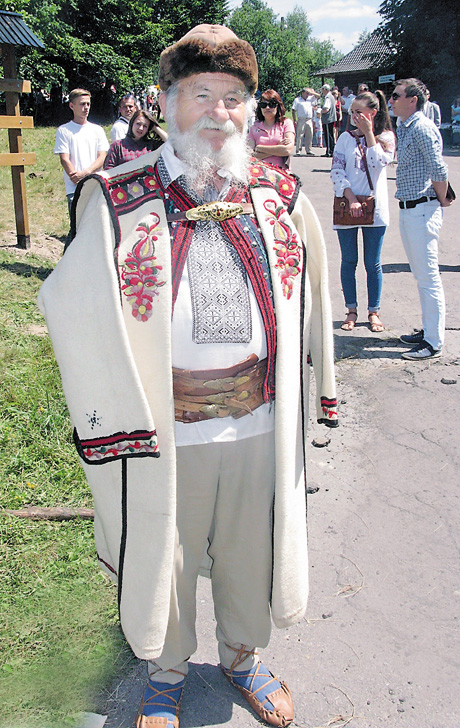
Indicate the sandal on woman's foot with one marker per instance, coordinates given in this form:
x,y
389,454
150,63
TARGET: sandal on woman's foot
x,y
375,322
349,323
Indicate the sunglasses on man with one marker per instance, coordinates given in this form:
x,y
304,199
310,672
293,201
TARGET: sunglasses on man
x,y
270,104
395,96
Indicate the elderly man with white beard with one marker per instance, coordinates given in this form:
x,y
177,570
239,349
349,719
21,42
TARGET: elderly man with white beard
x,y
185,317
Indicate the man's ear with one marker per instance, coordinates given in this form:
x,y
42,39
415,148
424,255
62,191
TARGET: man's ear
x,y
162,103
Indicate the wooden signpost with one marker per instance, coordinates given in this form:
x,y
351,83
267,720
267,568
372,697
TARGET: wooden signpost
x,y
16,159
14,32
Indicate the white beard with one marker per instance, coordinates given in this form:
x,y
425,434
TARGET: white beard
x,y
201,159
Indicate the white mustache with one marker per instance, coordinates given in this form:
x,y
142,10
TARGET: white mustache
x,y
228,127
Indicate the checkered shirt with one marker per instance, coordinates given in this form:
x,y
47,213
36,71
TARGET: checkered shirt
x,y
126,149
419,158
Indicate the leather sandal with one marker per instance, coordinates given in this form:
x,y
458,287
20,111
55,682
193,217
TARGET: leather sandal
x,y
377,325
160,705
268,696
349,323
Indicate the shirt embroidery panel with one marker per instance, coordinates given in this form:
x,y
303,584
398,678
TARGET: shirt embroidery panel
x,y
218,288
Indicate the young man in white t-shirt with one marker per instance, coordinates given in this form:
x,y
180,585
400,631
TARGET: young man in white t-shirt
x,y
82,146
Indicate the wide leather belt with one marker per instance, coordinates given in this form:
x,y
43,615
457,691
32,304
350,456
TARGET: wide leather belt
x,y
410,204
218,210
206,394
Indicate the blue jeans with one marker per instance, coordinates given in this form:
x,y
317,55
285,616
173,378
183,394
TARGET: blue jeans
x,y
372,240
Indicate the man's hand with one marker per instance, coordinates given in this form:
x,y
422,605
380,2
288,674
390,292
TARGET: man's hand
x,y
445,202
78,175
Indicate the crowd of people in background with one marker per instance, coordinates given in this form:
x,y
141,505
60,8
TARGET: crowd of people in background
x,y
358,132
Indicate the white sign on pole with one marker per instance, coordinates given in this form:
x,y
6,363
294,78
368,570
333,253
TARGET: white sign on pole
x,y
386,79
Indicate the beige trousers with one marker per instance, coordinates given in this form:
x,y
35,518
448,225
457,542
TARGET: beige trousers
x,y
224,506
304,135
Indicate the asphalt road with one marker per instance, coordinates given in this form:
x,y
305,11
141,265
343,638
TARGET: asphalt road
x,y
380,643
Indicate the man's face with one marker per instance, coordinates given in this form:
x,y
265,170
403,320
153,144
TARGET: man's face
x,y
345,91
402,105
218,96
304,94
80,108
127,108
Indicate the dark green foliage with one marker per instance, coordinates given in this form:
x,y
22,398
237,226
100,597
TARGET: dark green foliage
x,y
426,39
102,43
285,49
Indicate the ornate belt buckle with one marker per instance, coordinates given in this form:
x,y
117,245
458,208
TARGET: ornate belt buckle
x,y
214,211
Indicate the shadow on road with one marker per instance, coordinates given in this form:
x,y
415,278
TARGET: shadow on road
x,y
405,268
365,347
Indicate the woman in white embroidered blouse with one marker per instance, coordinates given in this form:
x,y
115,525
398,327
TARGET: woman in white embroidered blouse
x,y
374,132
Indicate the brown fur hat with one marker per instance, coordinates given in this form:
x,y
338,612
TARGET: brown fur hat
x,y
209,49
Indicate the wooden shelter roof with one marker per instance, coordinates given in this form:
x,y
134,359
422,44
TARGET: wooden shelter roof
x,y
13,31
371,53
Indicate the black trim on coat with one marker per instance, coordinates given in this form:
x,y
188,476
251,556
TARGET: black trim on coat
x,y
124,526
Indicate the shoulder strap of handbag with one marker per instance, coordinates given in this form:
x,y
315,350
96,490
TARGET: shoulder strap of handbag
x,y
365,164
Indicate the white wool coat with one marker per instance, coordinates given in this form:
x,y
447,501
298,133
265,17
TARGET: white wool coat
x,y
115,363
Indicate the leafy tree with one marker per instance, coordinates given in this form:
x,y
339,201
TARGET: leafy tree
x,y
105,43
364,35
425,37
285,49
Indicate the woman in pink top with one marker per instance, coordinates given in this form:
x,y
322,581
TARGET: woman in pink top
x,y
272,136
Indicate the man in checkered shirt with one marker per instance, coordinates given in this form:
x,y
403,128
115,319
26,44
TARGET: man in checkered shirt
x,y
421,187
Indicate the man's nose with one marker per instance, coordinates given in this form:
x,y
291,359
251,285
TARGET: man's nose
x,y
219,111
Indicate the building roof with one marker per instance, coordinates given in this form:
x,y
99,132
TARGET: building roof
x,y
371,53
13,31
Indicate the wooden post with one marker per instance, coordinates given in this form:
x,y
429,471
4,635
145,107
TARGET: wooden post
x,y
15,142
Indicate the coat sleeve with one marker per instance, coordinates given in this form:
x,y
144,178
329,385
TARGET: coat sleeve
x,y
320,318
81,303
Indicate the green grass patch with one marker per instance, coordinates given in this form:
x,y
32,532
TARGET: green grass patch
x,y
46,200
59,636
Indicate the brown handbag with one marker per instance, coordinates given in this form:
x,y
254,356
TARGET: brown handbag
x,y
341,209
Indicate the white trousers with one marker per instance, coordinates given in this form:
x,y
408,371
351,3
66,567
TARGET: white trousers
x,y
420,228
224,506
304,127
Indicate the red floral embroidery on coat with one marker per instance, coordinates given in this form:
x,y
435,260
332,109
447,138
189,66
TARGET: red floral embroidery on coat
x,y
286,247
140,272
118,195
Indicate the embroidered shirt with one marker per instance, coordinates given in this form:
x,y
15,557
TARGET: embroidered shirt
x,y
348,170
187,354
419,158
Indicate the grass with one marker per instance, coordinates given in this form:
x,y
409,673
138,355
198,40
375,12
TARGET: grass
x,y
46,201
60,641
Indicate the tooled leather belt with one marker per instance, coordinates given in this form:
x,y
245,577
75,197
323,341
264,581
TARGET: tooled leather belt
x,y
206,394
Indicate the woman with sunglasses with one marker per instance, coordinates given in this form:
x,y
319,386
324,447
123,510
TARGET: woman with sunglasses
x,y
144,135
272,135
371,144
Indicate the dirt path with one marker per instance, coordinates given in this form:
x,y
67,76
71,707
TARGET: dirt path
x,y
379,646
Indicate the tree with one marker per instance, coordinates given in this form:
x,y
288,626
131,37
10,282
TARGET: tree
x,y
425,37
285,49
364,35
105,43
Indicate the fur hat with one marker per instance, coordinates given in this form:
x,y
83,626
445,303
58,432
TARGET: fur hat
x,y
209,49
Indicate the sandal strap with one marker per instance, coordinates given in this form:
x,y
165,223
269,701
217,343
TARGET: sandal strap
x,y
161,695
241,655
